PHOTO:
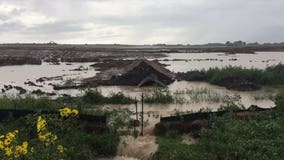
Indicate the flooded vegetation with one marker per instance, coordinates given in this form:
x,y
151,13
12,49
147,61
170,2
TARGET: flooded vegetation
x,y
206,94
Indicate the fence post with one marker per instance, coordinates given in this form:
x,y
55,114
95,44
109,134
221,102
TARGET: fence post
x,y
142,114
136,120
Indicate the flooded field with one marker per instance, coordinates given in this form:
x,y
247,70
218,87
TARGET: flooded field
x,y
189,96
182,62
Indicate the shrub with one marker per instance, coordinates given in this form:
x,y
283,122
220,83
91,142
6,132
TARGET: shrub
x,y
273,75
95,97
279,101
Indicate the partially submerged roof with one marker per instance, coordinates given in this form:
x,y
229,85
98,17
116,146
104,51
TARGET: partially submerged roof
x,y
137,72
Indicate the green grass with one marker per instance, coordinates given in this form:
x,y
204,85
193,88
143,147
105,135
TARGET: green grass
x,y
198,95
273,75
71,132
93,96
259,138
159,96
29,103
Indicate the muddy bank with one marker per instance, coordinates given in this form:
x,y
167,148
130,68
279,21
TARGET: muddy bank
x,y
142,147
21,90
9,60
96,53
30,83
42,79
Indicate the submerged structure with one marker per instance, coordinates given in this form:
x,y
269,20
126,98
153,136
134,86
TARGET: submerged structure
x,y
135,73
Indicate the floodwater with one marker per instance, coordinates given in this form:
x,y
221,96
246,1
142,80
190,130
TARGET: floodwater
x,y
18,75
182,62
189,96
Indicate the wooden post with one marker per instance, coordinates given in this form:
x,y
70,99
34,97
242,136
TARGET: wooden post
x,y
136,112
142,114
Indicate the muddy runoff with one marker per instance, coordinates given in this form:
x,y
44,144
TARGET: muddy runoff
x,y
197,95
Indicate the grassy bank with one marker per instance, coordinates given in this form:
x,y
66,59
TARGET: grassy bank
x,y
95,97
53,136
238,78
259,138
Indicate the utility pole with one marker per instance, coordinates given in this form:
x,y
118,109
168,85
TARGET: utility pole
x,y
142,114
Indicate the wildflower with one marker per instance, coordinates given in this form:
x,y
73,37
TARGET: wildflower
x,y
41,137
1,145
60,148
75,112
8,152
41,123
7,141
11,135
65,112
25,144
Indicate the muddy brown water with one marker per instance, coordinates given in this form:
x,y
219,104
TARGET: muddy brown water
x,y
182,62
195,95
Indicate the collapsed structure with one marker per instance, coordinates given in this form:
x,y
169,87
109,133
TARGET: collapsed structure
x,y
135,73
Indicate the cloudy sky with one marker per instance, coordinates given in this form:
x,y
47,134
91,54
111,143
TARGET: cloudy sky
x,y
141,21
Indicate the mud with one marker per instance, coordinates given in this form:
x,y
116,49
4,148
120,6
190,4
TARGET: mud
x,y
15,54
142,147
42,79
39,92
30,83
9,60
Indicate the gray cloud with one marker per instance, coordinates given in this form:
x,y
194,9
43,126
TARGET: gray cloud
x,y
141,22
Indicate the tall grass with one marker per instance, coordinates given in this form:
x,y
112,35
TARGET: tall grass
x,y
93,96
159,96
29,103
273,75
198,95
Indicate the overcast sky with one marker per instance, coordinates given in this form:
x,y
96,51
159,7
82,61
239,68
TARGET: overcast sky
x,y
141,21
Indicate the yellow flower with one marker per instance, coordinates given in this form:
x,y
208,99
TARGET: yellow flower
x,y
8,152
41,123
1,145
41,137
7,142
25,144
18,151
11,135
65,112
60,148
75,112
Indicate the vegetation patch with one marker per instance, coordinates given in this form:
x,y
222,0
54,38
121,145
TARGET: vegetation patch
x,y
258,138
93,96
53,136
159,96
238,78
